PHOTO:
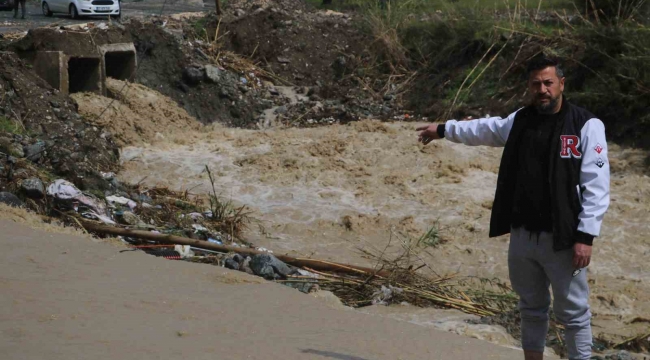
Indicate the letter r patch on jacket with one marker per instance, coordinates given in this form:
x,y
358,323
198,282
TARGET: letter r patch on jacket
x,y
570,145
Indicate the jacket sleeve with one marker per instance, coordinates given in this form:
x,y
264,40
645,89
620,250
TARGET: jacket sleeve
x,y
594,180
491,131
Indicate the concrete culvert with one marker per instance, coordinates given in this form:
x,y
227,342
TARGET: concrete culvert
x,y
119,60
120,65
84,75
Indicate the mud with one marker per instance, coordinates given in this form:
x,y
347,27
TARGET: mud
x,y
137,115
327,192
305,48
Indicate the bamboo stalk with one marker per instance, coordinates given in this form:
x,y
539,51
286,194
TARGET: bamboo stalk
x,y
172,239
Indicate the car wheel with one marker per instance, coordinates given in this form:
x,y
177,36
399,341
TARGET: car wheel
x,y
46,10
73,12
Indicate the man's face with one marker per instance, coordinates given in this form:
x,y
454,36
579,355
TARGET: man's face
x,y
546,89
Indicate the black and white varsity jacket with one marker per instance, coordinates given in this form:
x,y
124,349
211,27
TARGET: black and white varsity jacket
x,y
578,172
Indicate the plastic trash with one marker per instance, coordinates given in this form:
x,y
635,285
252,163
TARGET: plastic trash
x,y
184,251
66,193
215,241
122,201
264,250
95,216
199,228
383,296
107,175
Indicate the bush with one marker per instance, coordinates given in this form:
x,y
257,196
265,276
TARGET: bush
x,y
613,11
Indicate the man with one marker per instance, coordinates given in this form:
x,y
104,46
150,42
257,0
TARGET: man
x,y
552,193
22,8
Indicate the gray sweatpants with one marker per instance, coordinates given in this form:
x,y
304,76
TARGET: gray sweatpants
x,y
533,266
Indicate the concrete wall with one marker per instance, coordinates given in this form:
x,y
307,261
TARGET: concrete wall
x,y
85,72
51,66
119,61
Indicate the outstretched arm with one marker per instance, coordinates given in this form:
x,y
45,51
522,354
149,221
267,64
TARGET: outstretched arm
x,y
491,131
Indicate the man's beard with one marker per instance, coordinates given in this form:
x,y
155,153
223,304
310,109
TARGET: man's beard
x,y
549,107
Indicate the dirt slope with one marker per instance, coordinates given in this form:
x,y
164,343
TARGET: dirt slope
x,y
70,296
138,114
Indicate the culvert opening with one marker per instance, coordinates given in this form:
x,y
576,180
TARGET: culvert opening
x,y
119,64
84,75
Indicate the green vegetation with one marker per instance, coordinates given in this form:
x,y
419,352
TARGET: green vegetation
x,y
430,238
11,126
449,4
465,58
233,219
199,26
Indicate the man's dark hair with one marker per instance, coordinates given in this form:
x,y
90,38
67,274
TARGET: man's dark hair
x,y
540,62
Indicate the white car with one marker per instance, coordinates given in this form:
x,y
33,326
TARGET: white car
x,y
79,8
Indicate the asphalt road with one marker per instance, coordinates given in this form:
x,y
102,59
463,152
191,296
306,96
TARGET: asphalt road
x,y
35,18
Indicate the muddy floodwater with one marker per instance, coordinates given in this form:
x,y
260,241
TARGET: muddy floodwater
x,y
328,192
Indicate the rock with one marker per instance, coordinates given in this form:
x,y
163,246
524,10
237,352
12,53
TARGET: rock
x,y
223,93
10,199
33,188
201,54
269,267
35,151
130,218
621,355
283,60
230,263
281,110
240,12
313,90
212,73
192,75
145,198
236,113
55,104
11,148
184,88
246,267
339,66
388,97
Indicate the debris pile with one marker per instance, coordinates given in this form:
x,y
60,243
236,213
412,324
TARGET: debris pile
x,y
43,136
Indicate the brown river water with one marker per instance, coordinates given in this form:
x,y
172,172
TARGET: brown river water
x,y
328,192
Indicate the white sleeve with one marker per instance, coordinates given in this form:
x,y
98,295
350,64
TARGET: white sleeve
x,y
491,131
594,177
